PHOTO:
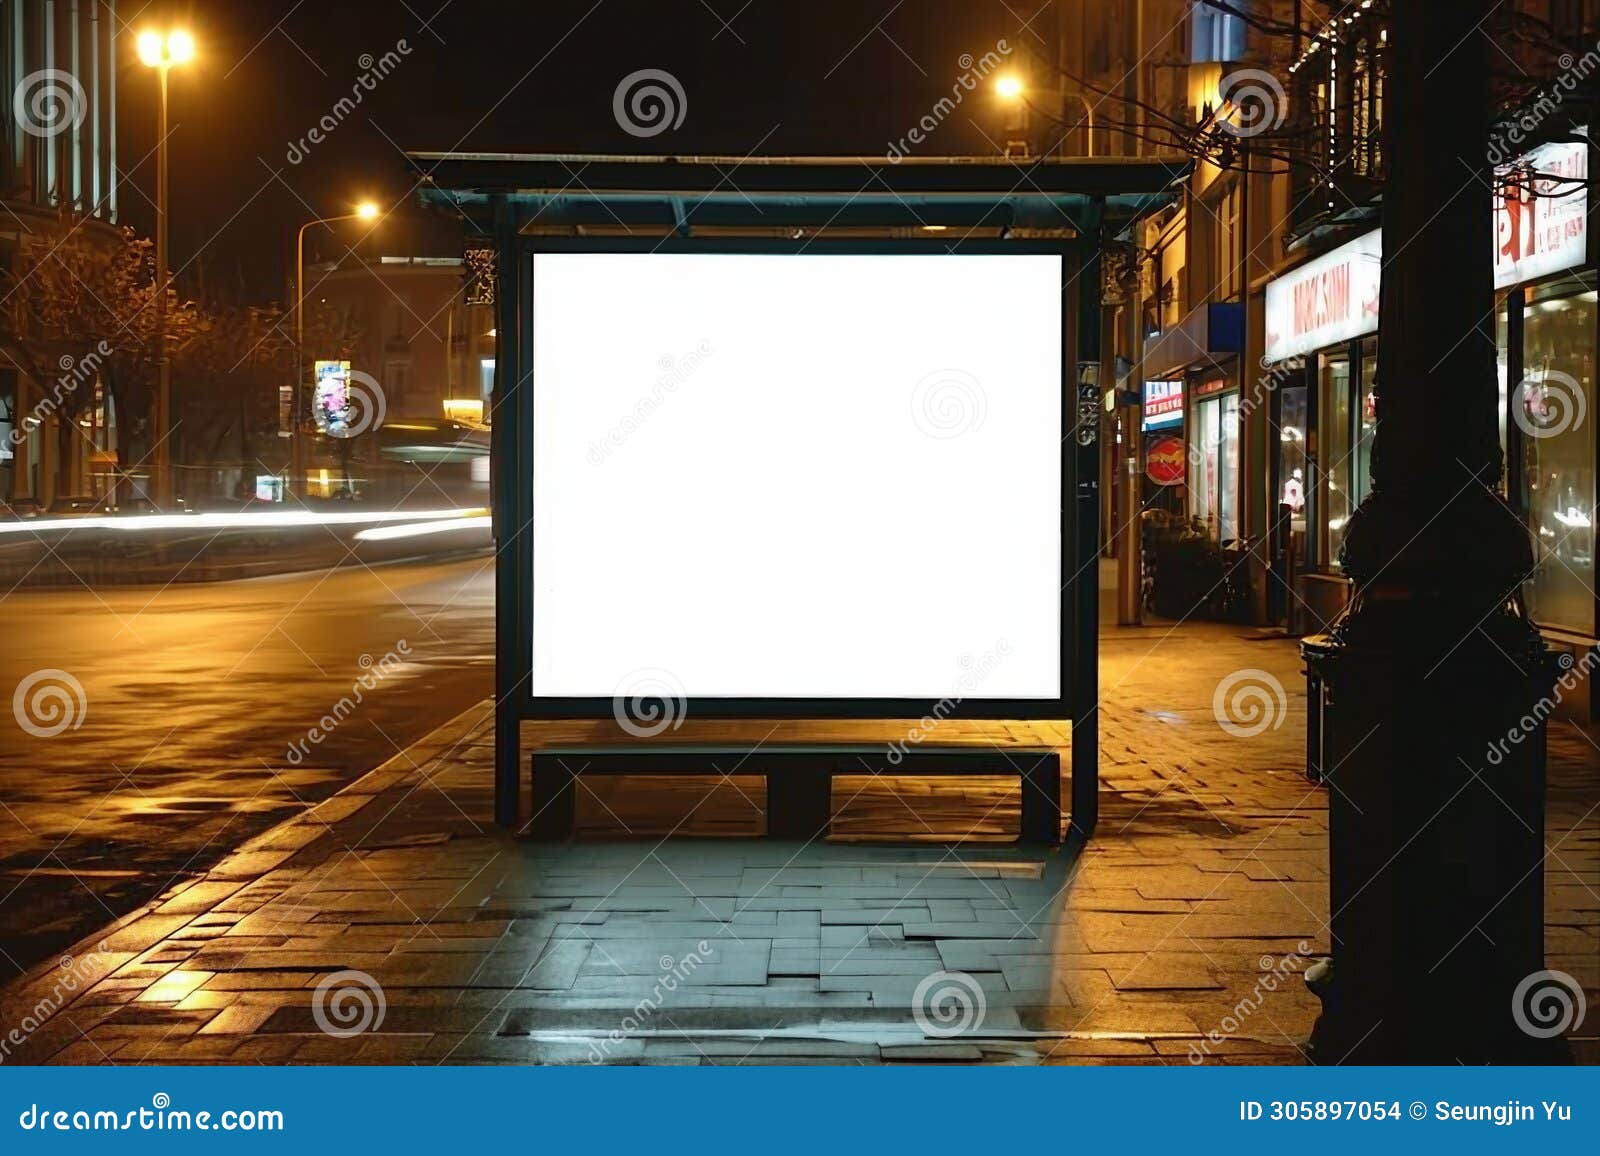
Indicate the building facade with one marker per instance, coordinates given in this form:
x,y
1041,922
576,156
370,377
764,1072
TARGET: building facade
x,y
58,66
1249,314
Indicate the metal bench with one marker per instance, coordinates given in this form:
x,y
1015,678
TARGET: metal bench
x,y
799,779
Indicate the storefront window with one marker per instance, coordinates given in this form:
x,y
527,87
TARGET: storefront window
x,y
1203,441
1558,345
1228,469
1214,465
1333,451
1502,342
1293,468
1367,419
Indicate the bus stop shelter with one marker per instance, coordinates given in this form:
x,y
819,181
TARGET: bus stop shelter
x,y
516,205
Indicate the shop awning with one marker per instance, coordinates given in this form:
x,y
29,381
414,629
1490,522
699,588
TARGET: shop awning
x,y
1207,332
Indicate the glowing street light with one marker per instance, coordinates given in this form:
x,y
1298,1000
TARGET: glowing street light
x,y
1008,87
161,52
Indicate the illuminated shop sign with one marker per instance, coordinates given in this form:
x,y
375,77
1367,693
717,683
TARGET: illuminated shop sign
x,y
1165,461
1541,215
1541,210
1163,404
1323,302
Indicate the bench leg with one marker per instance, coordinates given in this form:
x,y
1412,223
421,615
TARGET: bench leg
x,y
554,798
1041,799
799,803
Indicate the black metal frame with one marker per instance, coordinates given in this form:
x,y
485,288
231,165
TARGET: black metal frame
x,y
558,707
1078,527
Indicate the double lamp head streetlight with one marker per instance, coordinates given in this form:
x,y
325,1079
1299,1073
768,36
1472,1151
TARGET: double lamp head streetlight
x,y
159,50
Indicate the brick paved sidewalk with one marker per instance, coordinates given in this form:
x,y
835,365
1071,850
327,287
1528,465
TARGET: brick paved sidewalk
x,y
1177,935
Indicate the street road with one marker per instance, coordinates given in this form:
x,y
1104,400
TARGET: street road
x,y
193,697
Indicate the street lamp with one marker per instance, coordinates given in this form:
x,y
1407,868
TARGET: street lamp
x,y
1009,88
365,211
161,52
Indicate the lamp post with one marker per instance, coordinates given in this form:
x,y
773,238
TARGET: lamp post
x,y
1009,88
366,211
160,52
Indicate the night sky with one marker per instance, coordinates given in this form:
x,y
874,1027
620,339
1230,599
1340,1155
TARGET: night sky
x,y
782,77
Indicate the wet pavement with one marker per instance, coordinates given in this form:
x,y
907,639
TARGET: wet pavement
x,y
395,924
190,734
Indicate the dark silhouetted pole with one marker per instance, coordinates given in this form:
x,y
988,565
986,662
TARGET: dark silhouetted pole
x,y
1433,750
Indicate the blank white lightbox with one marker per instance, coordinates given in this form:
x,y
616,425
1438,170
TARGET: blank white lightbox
x,y
797,475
